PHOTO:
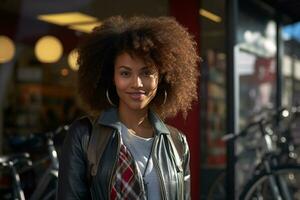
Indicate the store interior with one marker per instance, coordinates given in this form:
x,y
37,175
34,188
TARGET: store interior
x,y
38,72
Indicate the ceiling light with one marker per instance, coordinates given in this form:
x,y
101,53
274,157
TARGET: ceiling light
x,y
87,28
48,49
67,18
210,15
64,72
7,49
72,60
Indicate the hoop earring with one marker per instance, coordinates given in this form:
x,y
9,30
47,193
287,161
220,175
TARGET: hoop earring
x,y
165,98
108,99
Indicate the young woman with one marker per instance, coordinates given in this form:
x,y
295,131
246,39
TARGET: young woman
x,y
133,74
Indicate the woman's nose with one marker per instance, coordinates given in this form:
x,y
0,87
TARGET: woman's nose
x,y
137,82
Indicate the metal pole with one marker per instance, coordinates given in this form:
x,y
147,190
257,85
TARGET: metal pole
x,y
279,57
231,93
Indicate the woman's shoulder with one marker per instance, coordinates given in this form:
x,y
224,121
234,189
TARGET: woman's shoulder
x,y
174,130
81,126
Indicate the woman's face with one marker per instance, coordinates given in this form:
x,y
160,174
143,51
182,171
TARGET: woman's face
x,y
136,83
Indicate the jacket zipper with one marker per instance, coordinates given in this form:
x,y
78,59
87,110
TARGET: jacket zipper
x,y
114,166
162,186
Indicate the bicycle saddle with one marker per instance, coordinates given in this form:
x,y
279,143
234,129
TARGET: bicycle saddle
x,y
13,157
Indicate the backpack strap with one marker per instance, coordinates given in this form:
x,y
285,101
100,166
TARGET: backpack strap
x,y
178,142
97,142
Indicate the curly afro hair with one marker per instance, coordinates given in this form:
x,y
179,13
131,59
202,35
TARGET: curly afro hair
x,y
161,42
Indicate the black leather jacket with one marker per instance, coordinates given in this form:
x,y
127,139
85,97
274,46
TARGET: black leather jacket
x,y
73,184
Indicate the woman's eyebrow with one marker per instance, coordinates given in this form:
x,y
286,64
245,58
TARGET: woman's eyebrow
x,y
147,68
152,69
125,67
129,68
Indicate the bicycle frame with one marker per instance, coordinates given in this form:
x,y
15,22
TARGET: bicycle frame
x,y
279,188
269,161
43,183
10,162
16,182
50,174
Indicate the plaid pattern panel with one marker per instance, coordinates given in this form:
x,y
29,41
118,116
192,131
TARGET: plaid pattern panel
x,y
125,185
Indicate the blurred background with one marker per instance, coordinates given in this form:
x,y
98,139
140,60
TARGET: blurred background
x,y
251,63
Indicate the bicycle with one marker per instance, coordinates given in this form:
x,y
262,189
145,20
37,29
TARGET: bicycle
x,y
12,162
46,187
271,176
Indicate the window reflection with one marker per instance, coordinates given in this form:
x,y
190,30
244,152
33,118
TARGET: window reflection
x,y
255,61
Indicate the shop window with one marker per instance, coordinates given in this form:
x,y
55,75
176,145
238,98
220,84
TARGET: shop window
x,y
255,61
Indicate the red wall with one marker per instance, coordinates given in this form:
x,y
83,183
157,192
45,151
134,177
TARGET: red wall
x,y
186,13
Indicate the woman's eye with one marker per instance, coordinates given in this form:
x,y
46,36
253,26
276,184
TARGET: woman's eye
x,y
147,73
124,73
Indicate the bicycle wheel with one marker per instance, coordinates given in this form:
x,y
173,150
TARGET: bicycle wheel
x,y
217,191
282,184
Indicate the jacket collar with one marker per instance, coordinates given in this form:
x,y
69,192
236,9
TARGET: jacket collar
x,y
110,118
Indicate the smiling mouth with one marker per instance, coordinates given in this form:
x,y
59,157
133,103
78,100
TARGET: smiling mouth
x,y
137,95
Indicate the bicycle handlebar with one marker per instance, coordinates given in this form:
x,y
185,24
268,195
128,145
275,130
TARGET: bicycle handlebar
x,y
58,130
13,159
259,121
295,109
